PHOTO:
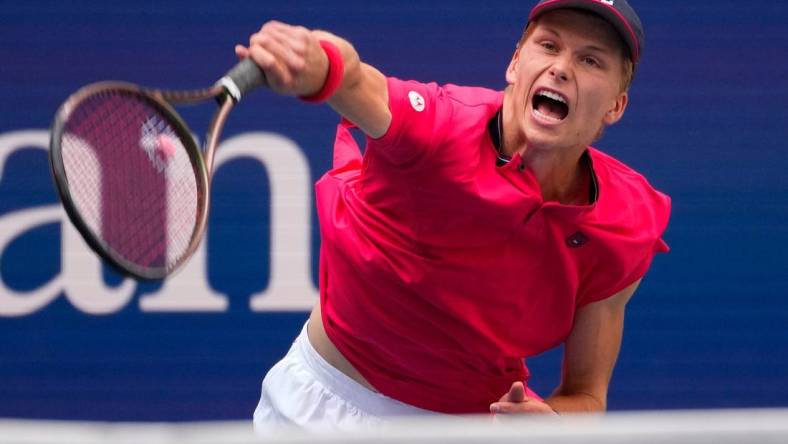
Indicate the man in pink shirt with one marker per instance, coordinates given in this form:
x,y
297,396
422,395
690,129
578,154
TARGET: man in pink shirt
x,y
478,228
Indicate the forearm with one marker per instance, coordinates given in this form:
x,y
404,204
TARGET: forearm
x,y
362,97
590,355
350,60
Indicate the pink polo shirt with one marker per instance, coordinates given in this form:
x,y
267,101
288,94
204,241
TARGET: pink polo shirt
x,y
440,271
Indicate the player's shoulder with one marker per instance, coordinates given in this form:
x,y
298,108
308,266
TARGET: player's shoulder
x,y
616,170
622,186
470,96
473,95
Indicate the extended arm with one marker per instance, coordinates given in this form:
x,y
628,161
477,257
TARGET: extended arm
x,y
295,64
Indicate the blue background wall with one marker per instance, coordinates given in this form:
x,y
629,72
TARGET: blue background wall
x,y
707,124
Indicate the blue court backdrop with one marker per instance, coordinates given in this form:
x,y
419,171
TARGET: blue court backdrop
x,y
707,124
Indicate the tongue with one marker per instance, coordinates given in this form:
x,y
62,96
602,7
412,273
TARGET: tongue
x,y
552,109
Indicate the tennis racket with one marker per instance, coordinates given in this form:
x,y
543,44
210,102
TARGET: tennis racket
x,y
129,173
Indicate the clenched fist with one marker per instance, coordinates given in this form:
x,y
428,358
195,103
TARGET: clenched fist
x,y
291,57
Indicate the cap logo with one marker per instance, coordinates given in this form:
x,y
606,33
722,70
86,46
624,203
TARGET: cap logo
x,y
608,2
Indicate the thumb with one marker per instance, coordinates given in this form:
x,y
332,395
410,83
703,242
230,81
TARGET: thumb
x,y
241,51
516,393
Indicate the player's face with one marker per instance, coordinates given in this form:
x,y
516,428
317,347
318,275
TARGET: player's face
x,y
566,81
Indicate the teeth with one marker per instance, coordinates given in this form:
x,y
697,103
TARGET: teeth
x,y
552,95
546,117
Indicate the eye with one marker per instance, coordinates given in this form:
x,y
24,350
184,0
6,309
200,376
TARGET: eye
x,y
591,61
550,46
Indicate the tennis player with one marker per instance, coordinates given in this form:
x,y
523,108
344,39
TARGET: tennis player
x,y
477,229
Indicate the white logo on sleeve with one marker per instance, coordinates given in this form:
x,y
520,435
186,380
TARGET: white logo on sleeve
x,y
416,101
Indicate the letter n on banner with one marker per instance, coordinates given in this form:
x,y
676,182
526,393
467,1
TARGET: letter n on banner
x,y
290,286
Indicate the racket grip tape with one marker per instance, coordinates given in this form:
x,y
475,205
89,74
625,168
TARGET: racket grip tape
x,y
242,78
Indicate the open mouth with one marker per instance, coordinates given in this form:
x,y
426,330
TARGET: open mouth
x,y
550,105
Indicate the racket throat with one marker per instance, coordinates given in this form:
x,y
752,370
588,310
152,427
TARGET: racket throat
x,y
215,132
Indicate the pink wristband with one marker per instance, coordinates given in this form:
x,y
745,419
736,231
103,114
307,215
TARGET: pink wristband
x,y
336,71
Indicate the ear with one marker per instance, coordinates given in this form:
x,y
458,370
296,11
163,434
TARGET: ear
x,y
615,113
511,70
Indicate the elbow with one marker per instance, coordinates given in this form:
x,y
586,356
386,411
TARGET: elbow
x,y
597,404
594,402
583,401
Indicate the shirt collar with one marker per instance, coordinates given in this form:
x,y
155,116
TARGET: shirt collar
x,y
495,128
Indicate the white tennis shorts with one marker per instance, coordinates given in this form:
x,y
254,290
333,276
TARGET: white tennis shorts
x,y
305,391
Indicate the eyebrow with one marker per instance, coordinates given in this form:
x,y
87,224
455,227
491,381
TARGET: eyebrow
x,y
590,47
605,50
551,31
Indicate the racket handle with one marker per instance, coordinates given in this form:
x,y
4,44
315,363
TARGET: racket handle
x,y
242,78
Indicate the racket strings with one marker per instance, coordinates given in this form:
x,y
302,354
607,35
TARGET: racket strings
x,y
131,178
98,115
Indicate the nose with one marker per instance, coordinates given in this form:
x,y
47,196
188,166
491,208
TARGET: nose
x,y
559,71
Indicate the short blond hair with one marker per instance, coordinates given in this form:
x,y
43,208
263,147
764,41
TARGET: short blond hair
x,y
628,66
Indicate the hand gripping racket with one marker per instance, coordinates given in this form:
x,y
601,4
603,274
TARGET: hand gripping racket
x,y
131,176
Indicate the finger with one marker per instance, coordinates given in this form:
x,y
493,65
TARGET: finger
x,y
281,54
241,51
293,44
296,37
507,407
271,24
520,408
516,393
279,78
279,48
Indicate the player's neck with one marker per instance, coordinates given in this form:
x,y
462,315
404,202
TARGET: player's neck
x,y
562,177
562,173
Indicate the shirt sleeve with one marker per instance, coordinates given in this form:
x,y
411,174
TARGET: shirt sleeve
x,y
629,247
417,113
636,271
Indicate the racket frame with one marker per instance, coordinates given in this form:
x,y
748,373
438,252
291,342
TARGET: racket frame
x,y
244,77
161,100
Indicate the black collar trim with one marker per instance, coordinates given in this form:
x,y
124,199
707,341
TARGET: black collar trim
x,y
495,128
